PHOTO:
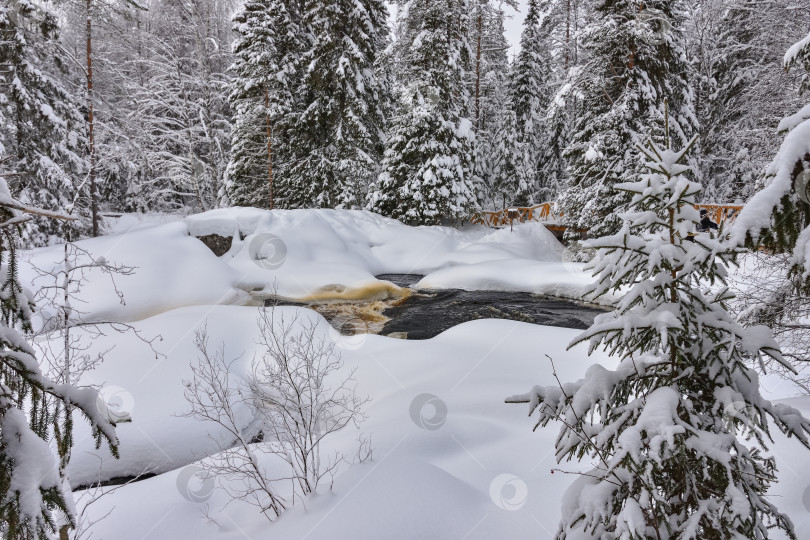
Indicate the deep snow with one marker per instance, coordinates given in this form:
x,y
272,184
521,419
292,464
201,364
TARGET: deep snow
x,y
479,473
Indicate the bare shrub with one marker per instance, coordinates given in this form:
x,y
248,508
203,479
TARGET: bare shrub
x,y
297,393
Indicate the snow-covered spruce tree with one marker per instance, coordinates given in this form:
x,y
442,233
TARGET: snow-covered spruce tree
x,y
561,31
488,82
268,51
636,59
33,496
530,83
678,430
338,137
427,167
509,180
41,130
488,76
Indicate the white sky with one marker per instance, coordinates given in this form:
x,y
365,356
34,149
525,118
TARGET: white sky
x,y
513,24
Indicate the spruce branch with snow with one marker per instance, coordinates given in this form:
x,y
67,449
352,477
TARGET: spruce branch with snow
x,y
678,431
33,493
776,216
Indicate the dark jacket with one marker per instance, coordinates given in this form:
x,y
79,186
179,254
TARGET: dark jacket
x,y
706,224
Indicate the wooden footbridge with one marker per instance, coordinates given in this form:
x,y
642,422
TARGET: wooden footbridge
x,y
547,213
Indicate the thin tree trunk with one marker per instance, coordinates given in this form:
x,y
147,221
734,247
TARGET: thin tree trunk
x,y
269,147
478,71
631,62
91,122
567,32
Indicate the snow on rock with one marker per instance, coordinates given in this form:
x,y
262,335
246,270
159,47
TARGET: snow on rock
x,y
324,252
303,254
149,387
536,277
171,270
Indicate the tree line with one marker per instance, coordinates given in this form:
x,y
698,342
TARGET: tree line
x,y
418,112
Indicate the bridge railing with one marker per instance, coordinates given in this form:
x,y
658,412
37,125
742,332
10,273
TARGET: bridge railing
x,y
542,212
547,212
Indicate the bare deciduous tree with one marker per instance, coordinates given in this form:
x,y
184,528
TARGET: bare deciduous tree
x,y
767,293
297,392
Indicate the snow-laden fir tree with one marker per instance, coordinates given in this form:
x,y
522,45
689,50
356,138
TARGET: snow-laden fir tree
x,y
267,73
489,63
34,498
427,168
509,182
530,86
41,130
678,430
636,59
338,136
496,143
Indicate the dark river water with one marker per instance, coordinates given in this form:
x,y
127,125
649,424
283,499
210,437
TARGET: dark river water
x,y
427,313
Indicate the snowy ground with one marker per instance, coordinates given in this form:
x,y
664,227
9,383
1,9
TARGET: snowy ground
x,y
457,463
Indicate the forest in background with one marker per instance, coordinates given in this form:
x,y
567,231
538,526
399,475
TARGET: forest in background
x,y
125,105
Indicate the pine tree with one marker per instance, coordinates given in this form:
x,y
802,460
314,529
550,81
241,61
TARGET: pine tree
x,y
636,60
339,134
41,130
427,168
263,98
678,430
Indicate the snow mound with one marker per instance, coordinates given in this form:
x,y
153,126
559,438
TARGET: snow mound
x,y
301,254
305,253
451,459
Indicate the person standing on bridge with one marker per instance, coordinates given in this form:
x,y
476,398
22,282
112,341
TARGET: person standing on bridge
x,y
705,224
